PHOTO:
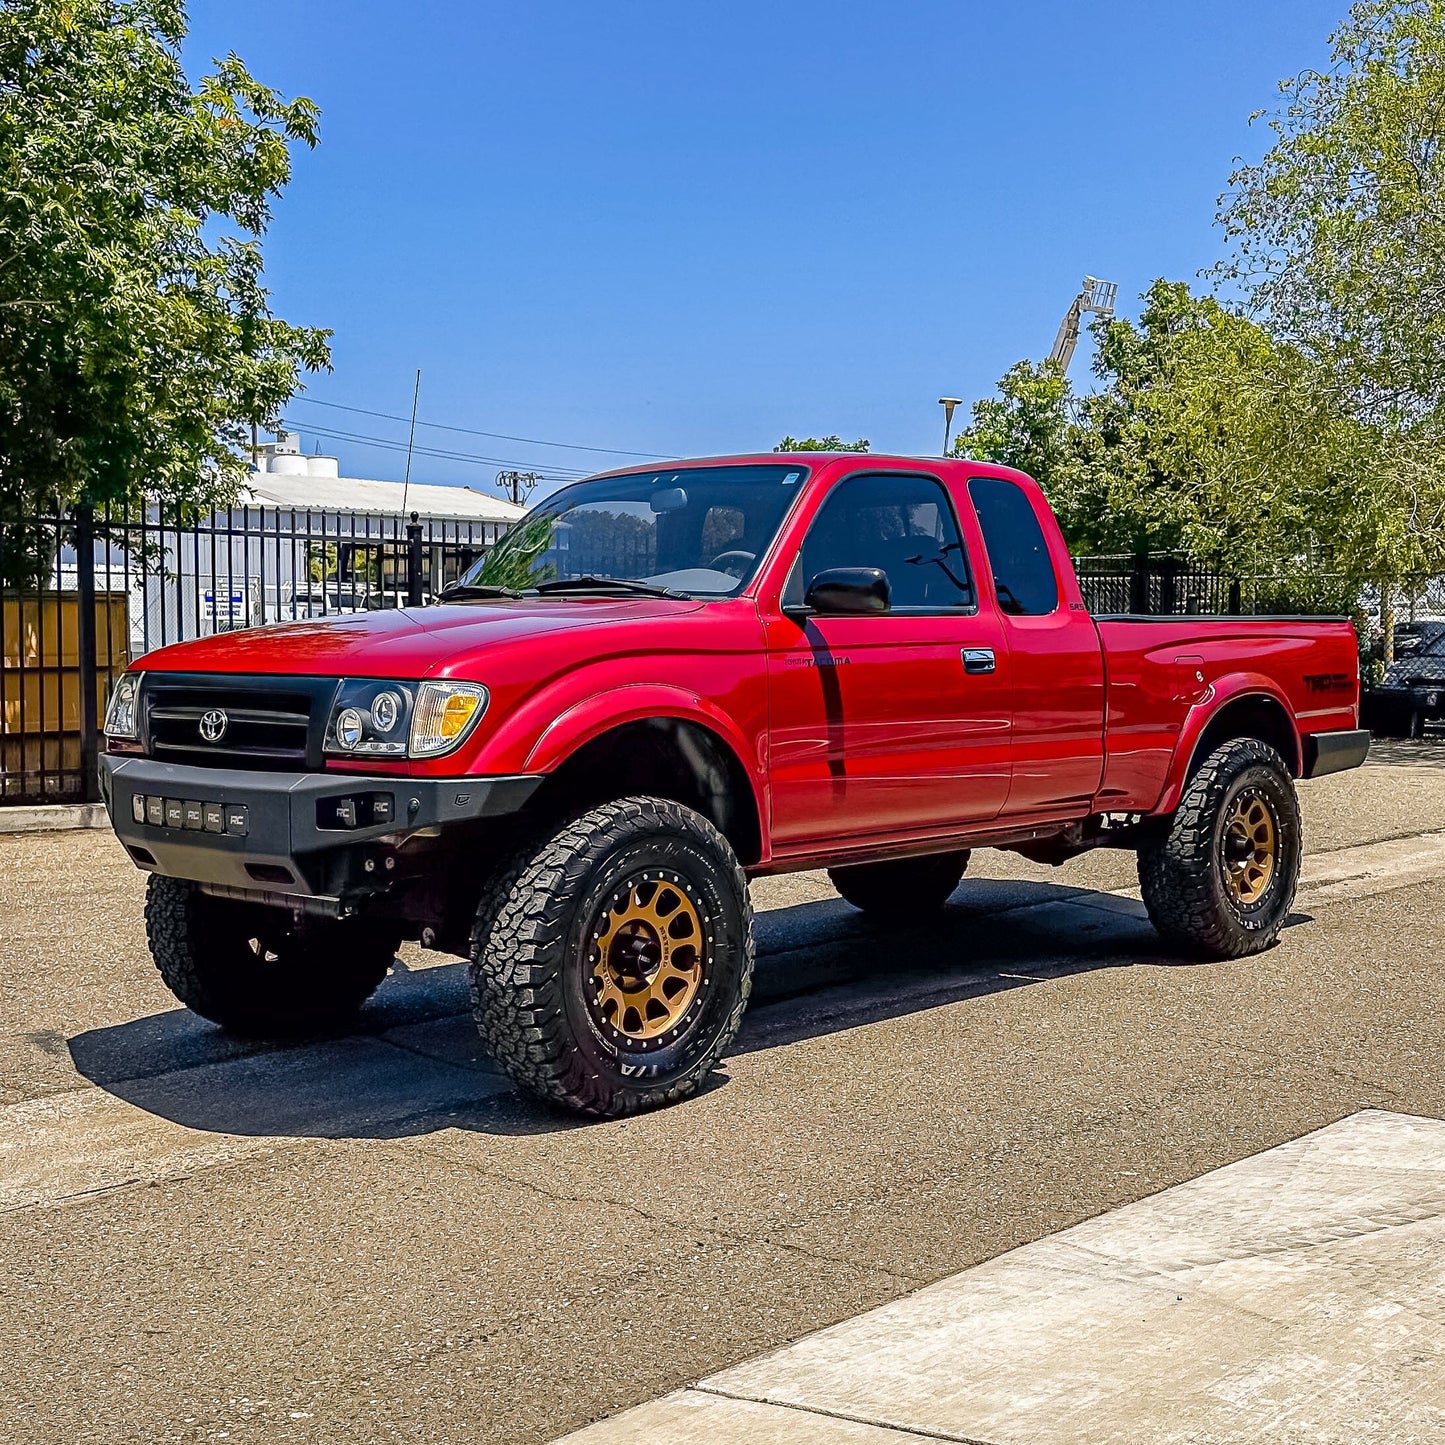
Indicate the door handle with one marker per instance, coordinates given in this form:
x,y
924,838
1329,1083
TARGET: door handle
x,y
978,659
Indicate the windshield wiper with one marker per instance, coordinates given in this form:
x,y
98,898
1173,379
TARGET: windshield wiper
x,y
563,585
462,590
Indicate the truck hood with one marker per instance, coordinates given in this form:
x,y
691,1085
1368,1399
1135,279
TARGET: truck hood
x,y
402,642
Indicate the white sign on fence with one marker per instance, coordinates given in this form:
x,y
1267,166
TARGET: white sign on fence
x,y
224,607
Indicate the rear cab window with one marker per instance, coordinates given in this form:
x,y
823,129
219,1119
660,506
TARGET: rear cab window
x,y
1018,553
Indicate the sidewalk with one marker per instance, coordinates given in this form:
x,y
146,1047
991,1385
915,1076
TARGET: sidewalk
x,y
1293,1296
51,817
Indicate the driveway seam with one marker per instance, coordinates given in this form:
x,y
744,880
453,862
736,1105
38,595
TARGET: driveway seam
x,y
913,1432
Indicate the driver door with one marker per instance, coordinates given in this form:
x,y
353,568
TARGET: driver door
x,y
878,726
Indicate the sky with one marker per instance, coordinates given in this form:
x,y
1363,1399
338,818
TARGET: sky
x,y
678,229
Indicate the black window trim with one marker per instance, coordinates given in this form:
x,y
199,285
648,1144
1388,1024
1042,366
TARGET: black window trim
x,y
1058,588
919,476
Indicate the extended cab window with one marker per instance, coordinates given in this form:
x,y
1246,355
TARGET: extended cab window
x,y
1023,575
906,526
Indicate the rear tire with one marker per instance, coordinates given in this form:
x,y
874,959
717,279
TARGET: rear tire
x,y
1222,882
246,967
611,964
901,888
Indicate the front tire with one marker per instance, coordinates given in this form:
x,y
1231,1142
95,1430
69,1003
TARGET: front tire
x,y
611,965
1222,882
900,888
246,967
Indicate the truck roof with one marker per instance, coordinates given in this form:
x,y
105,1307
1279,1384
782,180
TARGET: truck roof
x,y
885,461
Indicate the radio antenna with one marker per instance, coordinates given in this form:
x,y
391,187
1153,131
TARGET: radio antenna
x,y
410,441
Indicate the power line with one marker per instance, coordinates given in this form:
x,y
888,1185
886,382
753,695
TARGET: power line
x,y
472,431
387,444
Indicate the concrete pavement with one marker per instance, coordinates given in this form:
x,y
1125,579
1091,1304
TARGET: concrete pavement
x,y
1295,1296
371,1239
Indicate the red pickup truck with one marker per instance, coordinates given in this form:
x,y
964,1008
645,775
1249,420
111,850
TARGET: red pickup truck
x,y
662,682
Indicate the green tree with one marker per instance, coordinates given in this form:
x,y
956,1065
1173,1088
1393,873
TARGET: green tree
x,y
1204,435
821,444
137,346
1338,239
1339,232
1026,425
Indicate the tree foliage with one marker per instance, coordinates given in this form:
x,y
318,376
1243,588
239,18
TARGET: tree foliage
x,y
1302,434
1339,232
137,346
1338,238
1204,435
821,444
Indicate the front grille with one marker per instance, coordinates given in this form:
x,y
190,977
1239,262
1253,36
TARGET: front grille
x,y
274,723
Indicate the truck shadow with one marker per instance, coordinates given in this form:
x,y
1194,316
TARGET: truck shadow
x,y
414,1064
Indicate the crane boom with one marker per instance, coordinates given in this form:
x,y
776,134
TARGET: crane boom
x,y
1095,296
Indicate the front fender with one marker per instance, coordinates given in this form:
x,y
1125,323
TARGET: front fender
x,y
589,718
1220,693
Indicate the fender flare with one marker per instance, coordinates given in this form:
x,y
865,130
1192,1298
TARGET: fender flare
x,y
1232,688
600,713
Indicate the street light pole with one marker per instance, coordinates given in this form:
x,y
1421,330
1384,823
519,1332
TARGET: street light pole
x,y
948,403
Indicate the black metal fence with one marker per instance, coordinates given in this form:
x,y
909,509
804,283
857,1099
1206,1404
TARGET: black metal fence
x,y
83,595
1170,584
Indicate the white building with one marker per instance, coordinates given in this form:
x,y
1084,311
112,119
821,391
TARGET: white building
x,y
301,541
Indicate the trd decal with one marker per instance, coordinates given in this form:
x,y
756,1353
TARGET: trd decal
x,y
1329,682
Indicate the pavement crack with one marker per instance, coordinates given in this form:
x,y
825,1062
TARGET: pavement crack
x,y
732,1236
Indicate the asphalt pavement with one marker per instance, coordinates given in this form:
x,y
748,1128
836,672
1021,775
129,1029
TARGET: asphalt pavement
x,y
374,1239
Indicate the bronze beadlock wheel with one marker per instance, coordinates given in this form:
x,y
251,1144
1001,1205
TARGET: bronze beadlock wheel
x,y
1249,842
611,962
1220,883
649,955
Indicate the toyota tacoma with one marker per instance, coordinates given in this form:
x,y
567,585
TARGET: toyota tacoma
x,y
662,682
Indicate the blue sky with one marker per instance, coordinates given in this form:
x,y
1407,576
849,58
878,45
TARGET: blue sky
x,y
684,228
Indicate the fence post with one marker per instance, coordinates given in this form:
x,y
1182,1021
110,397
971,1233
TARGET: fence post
x,y
89,653
413,570
1139,585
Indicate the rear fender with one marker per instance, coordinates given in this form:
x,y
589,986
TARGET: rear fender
x,y
1232,688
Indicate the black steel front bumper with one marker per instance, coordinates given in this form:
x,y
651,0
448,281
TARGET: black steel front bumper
x,y
310,835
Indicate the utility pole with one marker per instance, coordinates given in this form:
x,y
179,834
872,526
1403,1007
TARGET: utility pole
x,y
518,485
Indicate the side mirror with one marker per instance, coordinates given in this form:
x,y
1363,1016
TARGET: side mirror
x,y
849,591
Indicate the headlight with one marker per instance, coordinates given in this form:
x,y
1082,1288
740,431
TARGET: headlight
x,y
122,717
402,719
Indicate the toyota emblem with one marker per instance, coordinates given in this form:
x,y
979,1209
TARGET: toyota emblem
x,y
213,725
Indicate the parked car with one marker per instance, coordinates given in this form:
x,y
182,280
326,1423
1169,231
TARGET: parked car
x,y
663,682
1412,690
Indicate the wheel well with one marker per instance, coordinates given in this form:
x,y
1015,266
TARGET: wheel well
x,y
664,758
1256,716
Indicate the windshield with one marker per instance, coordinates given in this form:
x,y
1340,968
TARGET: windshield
x,y
698,530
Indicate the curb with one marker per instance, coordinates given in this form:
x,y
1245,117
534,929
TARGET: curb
x,y
52,817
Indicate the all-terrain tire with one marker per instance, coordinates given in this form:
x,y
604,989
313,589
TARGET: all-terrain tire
x,y
1185,880
246,968
900,888
541,984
